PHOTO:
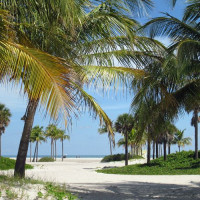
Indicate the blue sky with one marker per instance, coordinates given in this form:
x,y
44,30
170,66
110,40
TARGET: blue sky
x,y
85,139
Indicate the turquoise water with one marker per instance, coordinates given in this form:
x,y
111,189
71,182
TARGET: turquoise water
x,y
59,156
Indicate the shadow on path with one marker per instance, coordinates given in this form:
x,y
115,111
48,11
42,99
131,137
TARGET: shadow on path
x,y
136,191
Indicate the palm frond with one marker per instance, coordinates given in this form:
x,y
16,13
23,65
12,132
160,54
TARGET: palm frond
x,y
44,77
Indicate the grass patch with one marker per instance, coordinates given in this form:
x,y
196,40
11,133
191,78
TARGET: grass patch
x,y
119,157
43,190
7,163
177,164
46,159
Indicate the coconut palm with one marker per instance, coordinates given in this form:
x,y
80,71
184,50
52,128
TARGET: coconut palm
x,y
61,88
4,120
124,124
185,42
37,135
180,140
62,137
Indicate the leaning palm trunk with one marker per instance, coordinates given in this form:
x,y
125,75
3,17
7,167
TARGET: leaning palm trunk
x,y
23,147
196,132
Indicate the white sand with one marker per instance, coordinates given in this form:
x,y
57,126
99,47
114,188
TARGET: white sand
x,y
80,176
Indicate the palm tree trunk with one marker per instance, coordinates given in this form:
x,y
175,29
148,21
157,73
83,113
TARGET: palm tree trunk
x,y
169,148
141,150
23,147
196,133
110,145
34,156
148,151
37,152
126,148
62,150
30,151
51,148
165,149
55,150
153,149
156,149
179,148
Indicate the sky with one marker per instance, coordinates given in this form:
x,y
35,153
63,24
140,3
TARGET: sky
x,y
84,136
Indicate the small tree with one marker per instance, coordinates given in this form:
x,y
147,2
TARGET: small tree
x,y
51,132
124,124
180,140
37,135
62,137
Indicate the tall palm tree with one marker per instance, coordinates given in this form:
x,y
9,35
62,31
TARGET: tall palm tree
x,y
58,91
180,140
124,124
37,135
62,137
4,120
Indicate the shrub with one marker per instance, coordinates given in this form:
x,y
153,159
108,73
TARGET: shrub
x,y
46,159
176,164
119,157
7,163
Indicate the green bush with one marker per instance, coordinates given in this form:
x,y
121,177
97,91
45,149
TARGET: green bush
x,y
7,163
119,157
176,164
46,159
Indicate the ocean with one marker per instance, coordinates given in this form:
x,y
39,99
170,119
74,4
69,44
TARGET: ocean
x,y
59,156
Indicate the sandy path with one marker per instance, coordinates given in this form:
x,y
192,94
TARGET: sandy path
x,y
80,176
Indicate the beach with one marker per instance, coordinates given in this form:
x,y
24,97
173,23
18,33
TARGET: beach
x,y
81,178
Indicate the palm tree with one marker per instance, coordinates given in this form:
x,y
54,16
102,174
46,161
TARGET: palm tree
x,y
4,120
104,130
37,135
180,140
62,137
185,42
124,124
53,93
51,132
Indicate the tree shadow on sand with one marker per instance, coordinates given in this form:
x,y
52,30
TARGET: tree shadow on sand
x,y
136,191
